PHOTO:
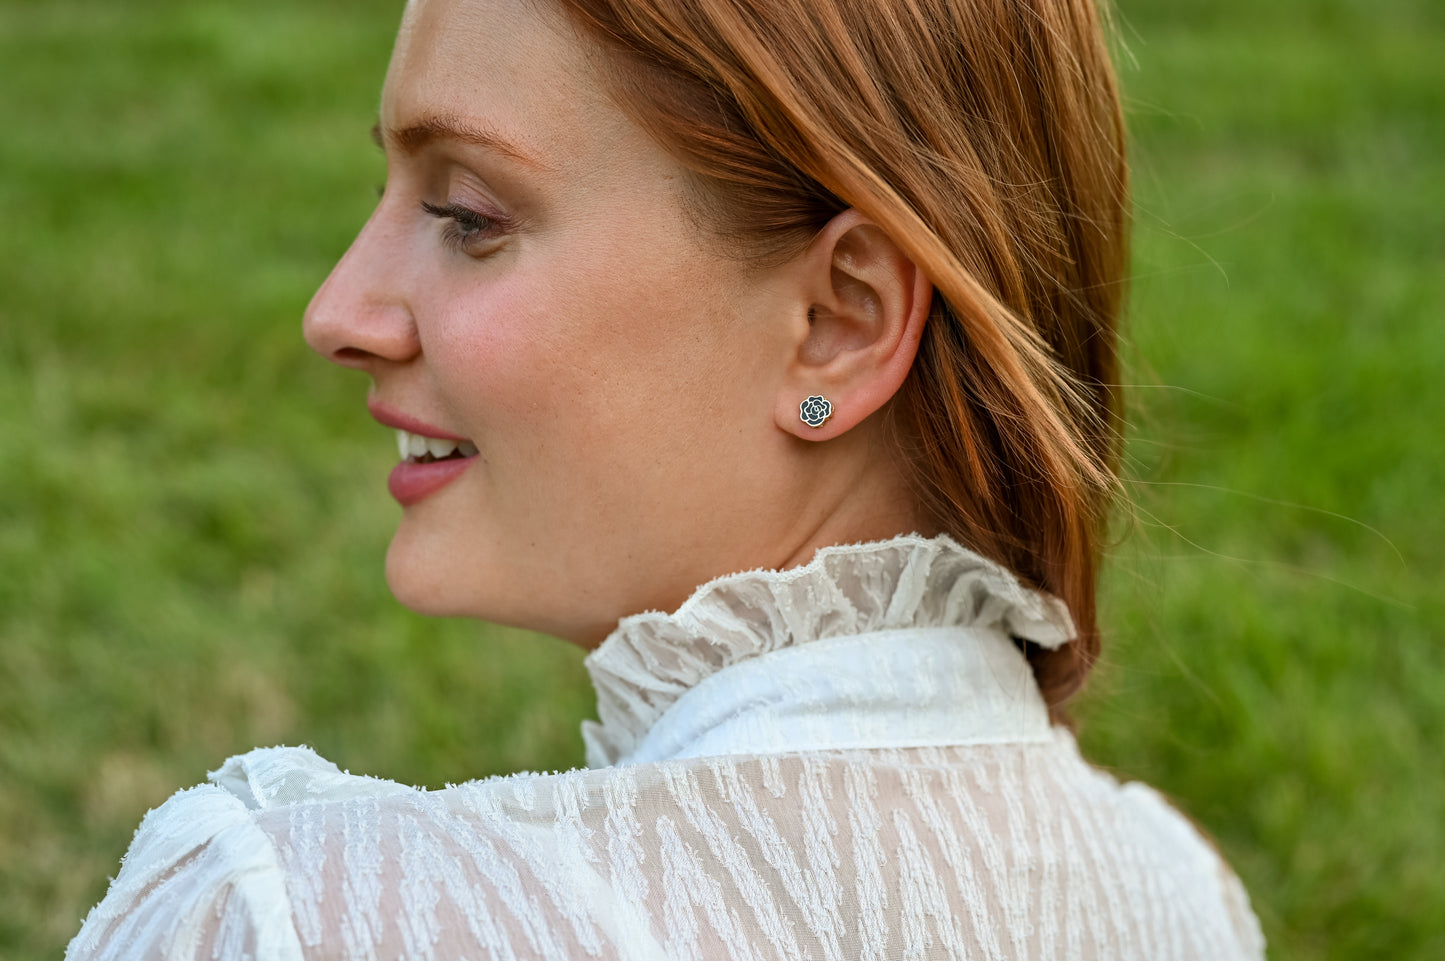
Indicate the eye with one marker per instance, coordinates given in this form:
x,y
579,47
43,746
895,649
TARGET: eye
x,y
466,230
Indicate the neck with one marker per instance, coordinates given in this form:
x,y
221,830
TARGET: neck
x,y
859,493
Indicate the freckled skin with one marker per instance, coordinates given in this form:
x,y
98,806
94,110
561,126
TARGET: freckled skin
x,y
621,377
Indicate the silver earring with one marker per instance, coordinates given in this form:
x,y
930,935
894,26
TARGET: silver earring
x,y
815,410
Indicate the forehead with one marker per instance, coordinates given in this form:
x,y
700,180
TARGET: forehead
x,y
512,66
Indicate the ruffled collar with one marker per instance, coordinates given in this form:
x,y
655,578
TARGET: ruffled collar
x,y
651,660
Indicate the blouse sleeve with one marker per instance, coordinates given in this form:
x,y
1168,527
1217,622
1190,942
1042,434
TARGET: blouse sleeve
x,y
1241,915
201,880
1184,836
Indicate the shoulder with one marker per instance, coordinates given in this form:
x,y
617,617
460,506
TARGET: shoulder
x,y
202,877
1149,829
1179,835
282,854
279,777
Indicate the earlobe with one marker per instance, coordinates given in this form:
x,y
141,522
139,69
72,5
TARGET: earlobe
x,y
866,306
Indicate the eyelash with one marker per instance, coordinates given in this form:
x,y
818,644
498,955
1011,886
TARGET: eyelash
x,y
463,224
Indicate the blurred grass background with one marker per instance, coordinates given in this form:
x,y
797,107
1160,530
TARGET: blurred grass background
x,y
193,516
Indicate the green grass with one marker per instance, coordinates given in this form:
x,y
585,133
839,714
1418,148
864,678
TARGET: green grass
x,y
192,518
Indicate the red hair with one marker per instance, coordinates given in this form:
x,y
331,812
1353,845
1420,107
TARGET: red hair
x,y
985,137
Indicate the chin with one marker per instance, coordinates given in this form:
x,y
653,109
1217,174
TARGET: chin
x,y
425,579
426,588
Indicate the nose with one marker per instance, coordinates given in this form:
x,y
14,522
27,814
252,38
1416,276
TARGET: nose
x,y
360,316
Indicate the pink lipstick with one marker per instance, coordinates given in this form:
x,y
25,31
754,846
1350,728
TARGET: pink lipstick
x,y
431,457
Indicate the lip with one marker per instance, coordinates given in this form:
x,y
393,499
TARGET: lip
x,y
392,417
410,482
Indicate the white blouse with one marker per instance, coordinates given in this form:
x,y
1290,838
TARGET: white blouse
x,y
847,760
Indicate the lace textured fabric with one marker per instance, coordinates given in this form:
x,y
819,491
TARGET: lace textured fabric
x,y
848,760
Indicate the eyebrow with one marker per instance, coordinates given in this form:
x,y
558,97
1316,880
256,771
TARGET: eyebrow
x,y
414,138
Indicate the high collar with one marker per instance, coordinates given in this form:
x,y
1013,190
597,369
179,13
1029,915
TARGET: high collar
x,y
913,604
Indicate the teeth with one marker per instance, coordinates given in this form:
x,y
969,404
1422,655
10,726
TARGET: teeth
x,y
414,446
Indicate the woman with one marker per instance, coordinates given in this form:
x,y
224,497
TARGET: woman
x,y
660,291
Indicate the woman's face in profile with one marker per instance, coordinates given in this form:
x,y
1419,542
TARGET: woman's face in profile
x,y
531,292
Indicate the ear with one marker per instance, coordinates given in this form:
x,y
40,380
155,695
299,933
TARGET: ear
x,y
866,307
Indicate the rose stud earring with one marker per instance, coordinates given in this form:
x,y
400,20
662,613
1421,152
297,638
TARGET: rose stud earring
x,y
815,410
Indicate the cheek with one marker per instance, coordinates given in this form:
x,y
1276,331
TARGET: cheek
x,y
585,342
493,348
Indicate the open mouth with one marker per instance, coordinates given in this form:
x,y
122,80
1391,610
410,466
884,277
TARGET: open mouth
x,y
419,449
